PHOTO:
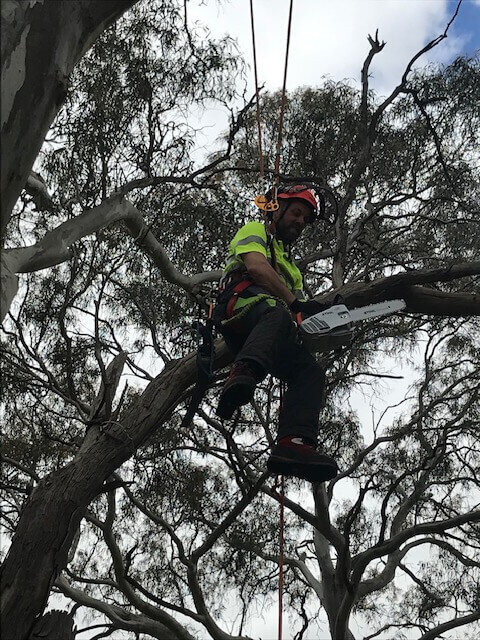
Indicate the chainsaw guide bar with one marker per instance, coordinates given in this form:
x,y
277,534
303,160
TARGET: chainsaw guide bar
x,y
332,328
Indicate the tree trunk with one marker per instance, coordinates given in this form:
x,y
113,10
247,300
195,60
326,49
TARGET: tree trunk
x,y
54,625
42,40
53,511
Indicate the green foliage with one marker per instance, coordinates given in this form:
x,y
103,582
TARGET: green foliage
x,y
125,124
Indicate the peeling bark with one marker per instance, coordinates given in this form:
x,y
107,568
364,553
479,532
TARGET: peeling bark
x,y
8,284
42,40
54,625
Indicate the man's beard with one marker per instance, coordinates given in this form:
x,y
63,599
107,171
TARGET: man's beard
x,y
288,233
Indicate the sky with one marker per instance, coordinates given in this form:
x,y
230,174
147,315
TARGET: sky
x,y
329,40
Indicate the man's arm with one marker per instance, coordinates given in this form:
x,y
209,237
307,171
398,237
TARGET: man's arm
x,y
265,276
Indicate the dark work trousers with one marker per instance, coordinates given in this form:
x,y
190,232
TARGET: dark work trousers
x,y
266,335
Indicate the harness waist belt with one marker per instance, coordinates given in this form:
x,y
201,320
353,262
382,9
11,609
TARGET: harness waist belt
x,y
237,290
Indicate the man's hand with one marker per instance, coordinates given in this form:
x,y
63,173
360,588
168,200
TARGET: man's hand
x,y
308,308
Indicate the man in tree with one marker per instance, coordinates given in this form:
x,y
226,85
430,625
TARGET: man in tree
x,y
260,290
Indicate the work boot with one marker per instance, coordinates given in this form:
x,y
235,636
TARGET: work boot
x,y
295,456
237,390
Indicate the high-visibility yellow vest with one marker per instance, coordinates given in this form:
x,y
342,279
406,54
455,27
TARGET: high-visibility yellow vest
x,y
253,237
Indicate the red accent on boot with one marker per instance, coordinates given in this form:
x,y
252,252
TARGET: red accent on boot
x,y
297,442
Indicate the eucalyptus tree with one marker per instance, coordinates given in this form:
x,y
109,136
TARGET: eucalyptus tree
x,y
41,43
123,130
156,547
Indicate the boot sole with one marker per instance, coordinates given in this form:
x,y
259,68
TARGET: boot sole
x,y
235,396
304,471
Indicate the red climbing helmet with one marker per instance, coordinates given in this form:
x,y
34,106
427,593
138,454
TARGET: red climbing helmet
x,y
299,192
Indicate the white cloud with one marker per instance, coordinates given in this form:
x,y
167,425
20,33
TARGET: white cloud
x,y
330,37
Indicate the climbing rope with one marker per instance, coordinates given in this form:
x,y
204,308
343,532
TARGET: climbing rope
x,y
281,555
257,94
261,201
280,482
266,205
276,175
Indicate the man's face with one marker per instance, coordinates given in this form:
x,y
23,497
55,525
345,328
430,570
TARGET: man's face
x,y
293,221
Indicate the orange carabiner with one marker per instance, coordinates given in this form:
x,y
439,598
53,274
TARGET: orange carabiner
x,y
266,205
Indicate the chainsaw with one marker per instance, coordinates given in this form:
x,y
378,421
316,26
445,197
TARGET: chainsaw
x,y
332,328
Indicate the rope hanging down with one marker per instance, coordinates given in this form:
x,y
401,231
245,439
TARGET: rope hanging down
x,y
281,535
271,205
282,105
261,201
279,487
257,95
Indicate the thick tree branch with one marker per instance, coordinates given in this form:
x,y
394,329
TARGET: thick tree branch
x,y
68,491
121,618
145,239
102,405
419,299
37,189
394,560
389,546
451,624
41,44
56,247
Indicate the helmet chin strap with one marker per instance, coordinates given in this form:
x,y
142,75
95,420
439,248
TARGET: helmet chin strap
x,y
272,233
272,223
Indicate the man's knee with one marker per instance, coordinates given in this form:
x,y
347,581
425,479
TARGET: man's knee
x,y
308,370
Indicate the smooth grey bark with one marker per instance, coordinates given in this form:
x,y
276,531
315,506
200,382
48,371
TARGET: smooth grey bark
x,y
57,247
42,40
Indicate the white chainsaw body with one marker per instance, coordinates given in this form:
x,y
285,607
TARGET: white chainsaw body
x,y
332,328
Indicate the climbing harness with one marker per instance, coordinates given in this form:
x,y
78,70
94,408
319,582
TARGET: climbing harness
x,y
237,290
230,290
205,360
